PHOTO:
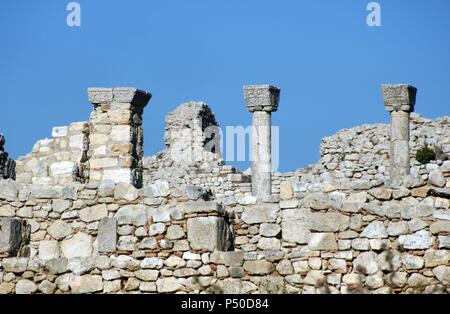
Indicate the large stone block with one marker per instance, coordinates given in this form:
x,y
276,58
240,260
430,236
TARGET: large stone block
x,y
208,233
80,245
10,235
107,235
260,213
295,230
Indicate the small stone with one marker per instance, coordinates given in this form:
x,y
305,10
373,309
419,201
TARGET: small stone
x,y
442,273
125,191
258,267
436,178
157,228
300,267
260,214
147,274
322,242
285,267
436,257
80,245
382,194
296,231
269,244
233,258
420,240
94,213
175,232
412,262
48,249
59,230
397,228
25,286
269,230
47,287
85,283
107,235
167,285
175,262
286,190
440,227
60,206
366,263
375,230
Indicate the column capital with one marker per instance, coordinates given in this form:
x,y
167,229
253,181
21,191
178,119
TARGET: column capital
x,y
261,97
129,95
399,97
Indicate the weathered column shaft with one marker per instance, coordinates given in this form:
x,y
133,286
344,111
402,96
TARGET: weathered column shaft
x,y
116,135
399,100
399,143
261,154
261,100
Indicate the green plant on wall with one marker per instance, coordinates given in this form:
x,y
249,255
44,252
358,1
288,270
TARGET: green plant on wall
x,y
425,155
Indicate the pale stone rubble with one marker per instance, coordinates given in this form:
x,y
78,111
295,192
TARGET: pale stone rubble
x,y
339,226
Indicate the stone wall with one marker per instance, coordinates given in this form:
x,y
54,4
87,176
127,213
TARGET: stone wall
x,y
363,152
195,227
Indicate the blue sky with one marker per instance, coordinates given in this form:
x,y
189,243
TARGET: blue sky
x,y
328,63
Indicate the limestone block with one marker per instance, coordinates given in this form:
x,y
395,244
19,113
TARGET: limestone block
x,y
328,222
126,191
63,169
85,283
417,241
130,215
366,263
322,241
207,233
117,175
121,133
295,230
260,267
100,95
375,230
59,230
94,213
80,245
269,230
167,285
107,235
160,188
25,286
48,249
201,207
260,213
196,192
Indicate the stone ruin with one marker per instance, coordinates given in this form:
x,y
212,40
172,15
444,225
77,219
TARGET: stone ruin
x,y
87,212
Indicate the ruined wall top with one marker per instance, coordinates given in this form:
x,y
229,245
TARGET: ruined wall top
x,y
131,95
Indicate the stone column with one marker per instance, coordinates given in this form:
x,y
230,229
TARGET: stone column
x,y
116,134
399,100
261,100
